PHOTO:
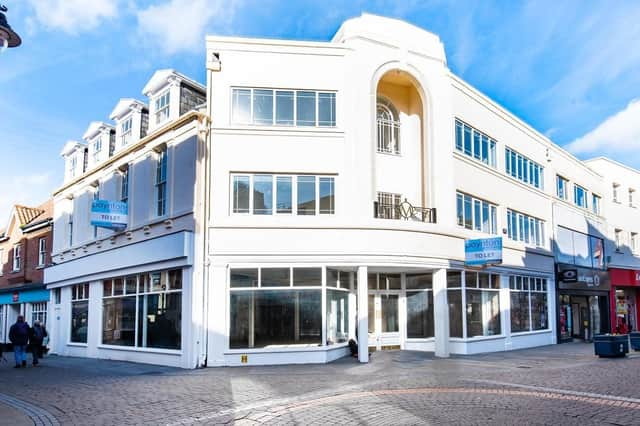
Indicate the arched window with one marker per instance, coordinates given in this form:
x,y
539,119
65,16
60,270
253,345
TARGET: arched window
x,y
388,126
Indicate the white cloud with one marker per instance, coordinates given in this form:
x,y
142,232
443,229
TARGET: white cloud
x,y
178,25
73,16
31,190
618,133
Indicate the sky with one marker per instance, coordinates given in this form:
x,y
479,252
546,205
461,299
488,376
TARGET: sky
x,y
570,69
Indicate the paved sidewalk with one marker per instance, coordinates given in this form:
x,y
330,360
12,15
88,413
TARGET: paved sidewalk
x,y
9,416
561,384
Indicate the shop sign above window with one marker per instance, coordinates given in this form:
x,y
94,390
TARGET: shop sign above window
x,y
483,251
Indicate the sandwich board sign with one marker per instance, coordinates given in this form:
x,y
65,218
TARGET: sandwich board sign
x,y
483,251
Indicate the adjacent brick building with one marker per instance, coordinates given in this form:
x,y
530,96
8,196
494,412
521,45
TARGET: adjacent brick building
x,y
25,250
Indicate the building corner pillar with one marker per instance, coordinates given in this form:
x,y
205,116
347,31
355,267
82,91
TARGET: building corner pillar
x,y
363,315
441,313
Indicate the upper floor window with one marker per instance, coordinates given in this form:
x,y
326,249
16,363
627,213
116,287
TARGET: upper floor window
x,y
1,264
162,107
97,148
523,168
124,186
634,242
161,184
575,248
631,197
42,251
73,162
388,127
618,239
70,226
388,205
473,213
269,107
96,197
615,193
263,194
562,187
528,229
595,203
475,144
17,260
579,196
126,131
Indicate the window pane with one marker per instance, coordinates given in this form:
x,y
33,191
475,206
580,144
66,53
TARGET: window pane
x,y
131,284
262,106
581,249
241,194
160,320
284,202
485,149
275,277
483,313
458,135
454,279
118,321
327,195
241,106
393,281
79,321
477,215
419,281
307,277
454,298
485,218
262,194
284,108
419,314
280,317
519,311
118,287
468,216
306,195
459,209
107,288
337,316
467,140
175,280
539,316
597,251
470,279
306,108
476,145
333,278
155,282
389,317
326,109
243,278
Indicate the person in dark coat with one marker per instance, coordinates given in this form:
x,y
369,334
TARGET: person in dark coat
x,y
36,336
19,337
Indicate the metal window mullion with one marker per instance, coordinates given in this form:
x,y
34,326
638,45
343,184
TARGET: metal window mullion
x,y
317,99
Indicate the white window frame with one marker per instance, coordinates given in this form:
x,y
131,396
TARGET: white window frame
x,y
42,251
73,163
161,181
97,149
633,242
251,121
562,187
529,230
126,130
39,313
596,202
492,210
615,187
294,194
618,239
517,285
476,135
387,126
585,197
524,169
17,259
631,197
162,103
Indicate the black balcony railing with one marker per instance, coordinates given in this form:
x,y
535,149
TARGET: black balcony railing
x,y
404,210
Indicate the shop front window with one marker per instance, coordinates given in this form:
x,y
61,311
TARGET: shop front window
x,y
337,316
529,305
79,313
419,298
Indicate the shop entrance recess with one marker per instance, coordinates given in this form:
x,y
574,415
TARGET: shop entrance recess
x,y
384,303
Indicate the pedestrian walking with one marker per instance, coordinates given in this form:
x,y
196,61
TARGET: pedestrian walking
x,y
36,337
19,337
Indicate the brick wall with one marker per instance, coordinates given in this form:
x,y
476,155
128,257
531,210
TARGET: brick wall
x,y
29,271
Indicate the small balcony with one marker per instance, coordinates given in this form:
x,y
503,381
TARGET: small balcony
x,y
405,211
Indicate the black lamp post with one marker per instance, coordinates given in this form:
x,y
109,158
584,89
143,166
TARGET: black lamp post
x,y
8,37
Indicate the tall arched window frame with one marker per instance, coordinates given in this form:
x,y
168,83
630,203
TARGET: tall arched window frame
x,y
388,127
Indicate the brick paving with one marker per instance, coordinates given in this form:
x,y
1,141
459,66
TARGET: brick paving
x,y
561,384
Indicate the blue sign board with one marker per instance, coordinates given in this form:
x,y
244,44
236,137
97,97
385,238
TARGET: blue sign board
x,y
483,251
109,214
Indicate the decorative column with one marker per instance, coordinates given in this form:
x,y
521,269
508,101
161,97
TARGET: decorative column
x,y
441,313
363,315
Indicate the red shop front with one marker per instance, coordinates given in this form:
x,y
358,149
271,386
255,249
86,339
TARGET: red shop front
x,y
625,299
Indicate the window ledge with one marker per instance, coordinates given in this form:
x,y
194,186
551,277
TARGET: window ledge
x,y
77,344
287,348
177,352
477,338
40,267
527,333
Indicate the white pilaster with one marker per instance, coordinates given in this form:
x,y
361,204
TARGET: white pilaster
x,y
441,313
363,316
505,311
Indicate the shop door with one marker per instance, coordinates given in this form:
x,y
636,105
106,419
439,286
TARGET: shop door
x,y
384,321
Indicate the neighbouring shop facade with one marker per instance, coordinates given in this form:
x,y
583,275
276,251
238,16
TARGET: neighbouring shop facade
x,y
30,301
625,299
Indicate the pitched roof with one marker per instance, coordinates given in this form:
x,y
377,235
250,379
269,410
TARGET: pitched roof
x,y
26,214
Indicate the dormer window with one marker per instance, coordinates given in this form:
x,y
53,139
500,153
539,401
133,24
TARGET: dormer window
x,y
73,162
126,132
162,107
97,148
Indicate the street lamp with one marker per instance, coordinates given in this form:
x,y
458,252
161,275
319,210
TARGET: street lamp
x,y
8,37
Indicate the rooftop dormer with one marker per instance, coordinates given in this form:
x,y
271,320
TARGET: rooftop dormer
x,y
132,121
171,94
74,154
100,139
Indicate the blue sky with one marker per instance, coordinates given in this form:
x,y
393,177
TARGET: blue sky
x,y
570,69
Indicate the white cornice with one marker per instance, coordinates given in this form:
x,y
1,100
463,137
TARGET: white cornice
x,y
124,107
70,147
165,77
94,128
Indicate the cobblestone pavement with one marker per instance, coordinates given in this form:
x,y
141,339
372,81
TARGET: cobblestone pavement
x,y
561,384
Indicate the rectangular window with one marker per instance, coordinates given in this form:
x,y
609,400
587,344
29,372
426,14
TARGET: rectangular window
x,y
337,316
561,187
79,313
306,195
475,144
70,227
615,193
126,131
262,107
241,194
161,184
305,108
327,195
473,213
124,186
524,169
162,107
634,242
284,200
241,106
143,310
96,197
618,239
97,148
579,196
17,260
631,197
388,205
284,108
595,204
529,306
575,248
42,251
262,194
528,229
326,109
